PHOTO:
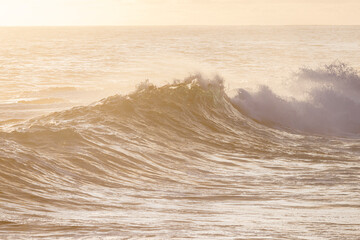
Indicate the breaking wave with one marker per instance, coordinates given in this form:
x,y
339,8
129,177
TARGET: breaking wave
x,y
332,106
198,109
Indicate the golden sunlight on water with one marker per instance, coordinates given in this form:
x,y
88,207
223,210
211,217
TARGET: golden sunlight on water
x,y
239,133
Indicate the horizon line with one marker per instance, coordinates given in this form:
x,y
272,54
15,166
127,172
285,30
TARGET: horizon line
x,y
184,25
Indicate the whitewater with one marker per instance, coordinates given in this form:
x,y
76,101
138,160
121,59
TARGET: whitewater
x,y
180,132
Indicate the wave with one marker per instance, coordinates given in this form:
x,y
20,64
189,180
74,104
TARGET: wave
x,y
198,109
132,141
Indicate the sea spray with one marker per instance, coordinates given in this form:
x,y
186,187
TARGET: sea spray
x,y
332,105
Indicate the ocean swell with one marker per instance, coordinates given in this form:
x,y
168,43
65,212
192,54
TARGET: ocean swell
x,y
123,137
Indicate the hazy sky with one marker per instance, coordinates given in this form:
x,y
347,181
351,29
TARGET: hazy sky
x,y
178,12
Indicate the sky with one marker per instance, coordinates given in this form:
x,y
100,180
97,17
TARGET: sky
x,y
178,12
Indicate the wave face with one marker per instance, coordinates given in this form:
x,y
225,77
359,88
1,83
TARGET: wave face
x,y
186,156
332,106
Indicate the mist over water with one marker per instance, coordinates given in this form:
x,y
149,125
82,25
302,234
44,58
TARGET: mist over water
x,y
263,143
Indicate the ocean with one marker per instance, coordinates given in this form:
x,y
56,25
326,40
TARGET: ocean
x,y
176,132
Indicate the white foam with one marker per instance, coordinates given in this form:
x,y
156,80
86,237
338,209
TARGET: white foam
x,y
332,106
